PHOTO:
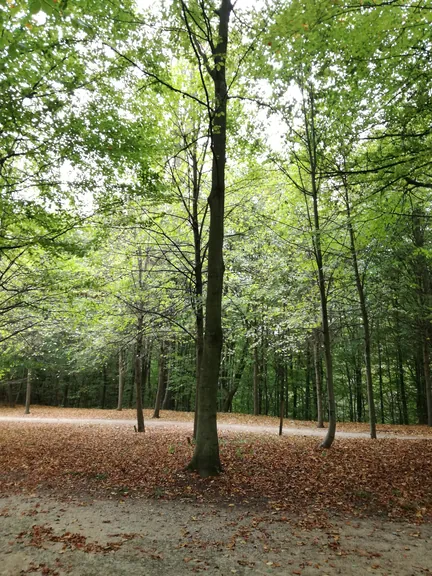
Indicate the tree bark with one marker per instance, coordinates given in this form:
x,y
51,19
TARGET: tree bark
x,y
28,392
206,459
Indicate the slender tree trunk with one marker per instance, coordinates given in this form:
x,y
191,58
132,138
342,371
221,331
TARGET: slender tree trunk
x,y
132,381
427,378
402,390
294,387
66,392
314,220
28,392
138,374
145,367
104,386
365,318
308,379
139,348
198,264
423,289
121,380
162,373
256,381
359,391
206,458
227,407
380,377
318,379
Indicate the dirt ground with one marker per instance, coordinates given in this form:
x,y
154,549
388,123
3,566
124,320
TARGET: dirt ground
x,y
226,421
151,537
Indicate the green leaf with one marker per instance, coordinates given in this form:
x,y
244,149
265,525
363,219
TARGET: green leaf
x,y
34,6
48,7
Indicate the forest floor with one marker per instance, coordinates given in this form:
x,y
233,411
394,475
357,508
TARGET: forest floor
x,y
82,498
226,421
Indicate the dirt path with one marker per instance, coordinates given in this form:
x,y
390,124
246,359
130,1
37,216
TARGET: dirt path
x,y
54,537
245,428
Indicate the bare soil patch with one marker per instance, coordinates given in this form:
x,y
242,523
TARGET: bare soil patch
x,y
49,536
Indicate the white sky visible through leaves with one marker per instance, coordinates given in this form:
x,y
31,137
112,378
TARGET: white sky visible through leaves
x,y
275,129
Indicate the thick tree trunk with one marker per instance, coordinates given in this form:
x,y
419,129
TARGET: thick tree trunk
x,y
162,374
206,458
121,380
28,392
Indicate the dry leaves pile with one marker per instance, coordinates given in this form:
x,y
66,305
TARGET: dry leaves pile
x,y
357,476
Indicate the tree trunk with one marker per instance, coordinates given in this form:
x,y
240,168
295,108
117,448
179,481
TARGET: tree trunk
x,y
318,379
66,392
227,406
307,414
380,377
365,317
427,378
132,381
401,378
314,221
359,391
104,386
256,381
162,373
138,375
121,380
139,352
423,282
28,392
199,307
206,458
